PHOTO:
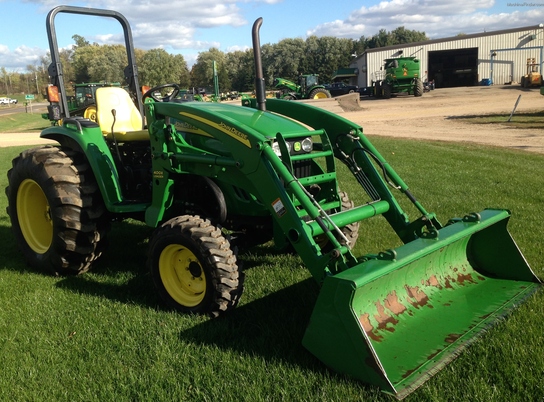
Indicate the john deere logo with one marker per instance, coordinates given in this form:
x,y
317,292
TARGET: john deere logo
x,y
233,132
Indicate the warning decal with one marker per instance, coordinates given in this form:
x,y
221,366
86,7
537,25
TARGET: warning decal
x,y
278,207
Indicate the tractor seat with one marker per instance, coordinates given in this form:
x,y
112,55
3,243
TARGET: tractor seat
x,y
128,120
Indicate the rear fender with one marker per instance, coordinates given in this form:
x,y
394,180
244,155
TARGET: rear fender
x,y
86,137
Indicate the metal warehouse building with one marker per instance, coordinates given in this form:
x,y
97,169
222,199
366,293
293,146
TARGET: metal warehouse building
x,y
499,57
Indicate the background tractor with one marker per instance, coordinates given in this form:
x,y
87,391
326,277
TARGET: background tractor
x,y
212,178
308,87
398,75
82,103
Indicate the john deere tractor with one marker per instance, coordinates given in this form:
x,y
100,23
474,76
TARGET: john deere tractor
x,y
308,87
212,177
399,75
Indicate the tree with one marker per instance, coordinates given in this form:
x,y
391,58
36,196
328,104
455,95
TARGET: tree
x,y
284,59
202,71
80,41
398,36
158,67
402,35
324,55
241,70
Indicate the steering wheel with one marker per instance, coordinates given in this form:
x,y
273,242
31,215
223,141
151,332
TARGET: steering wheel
x,y
151,93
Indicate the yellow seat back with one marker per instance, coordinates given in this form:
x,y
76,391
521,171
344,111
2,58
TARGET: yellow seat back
x,y
127,124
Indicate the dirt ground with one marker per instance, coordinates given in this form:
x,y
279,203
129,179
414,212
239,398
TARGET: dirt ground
x,y
433,116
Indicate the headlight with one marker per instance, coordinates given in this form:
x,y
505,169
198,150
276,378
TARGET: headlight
x,y
276,148
307,144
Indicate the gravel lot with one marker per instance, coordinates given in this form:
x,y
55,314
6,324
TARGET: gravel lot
x,y
433,116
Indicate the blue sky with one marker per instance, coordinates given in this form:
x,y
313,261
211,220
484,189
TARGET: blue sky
x,y
188,27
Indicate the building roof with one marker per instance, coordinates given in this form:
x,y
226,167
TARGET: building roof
x,y
451,38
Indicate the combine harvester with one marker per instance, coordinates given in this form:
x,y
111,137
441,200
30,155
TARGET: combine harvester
x,y
199,170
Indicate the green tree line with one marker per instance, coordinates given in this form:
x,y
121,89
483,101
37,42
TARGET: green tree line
x,y
91,62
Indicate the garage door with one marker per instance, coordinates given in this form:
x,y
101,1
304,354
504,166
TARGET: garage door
x,y
454,68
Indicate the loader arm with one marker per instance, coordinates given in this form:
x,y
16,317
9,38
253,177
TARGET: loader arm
x,y
353,149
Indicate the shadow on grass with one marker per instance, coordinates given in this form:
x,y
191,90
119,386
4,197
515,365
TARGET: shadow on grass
x,y
522,121
12,258
271,327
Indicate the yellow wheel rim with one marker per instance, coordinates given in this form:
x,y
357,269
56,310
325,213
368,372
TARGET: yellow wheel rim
x,y
182,275
34,215
90,113
320,95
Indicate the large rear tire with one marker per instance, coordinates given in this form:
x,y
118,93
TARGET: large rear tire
x,y
56,211
193,267
319,93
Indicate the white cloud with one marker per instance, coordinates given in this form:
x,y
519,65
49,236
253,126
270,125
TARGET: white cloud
x,y
438,19
172,25
13,60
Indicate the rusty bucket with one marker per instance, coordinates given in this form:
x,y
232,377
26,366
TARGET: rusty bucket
x,y
396,320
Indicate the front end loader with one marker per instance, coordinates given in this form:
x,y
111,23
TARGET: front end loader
x,y
213,177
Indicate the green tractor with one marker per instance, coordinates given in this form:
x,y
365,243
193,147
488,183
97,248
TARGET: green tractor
x,y
82,103
212,177
307,88
399,75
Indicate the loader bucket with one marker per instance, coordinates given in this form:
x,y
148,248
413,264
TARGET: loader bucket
x,y
396,320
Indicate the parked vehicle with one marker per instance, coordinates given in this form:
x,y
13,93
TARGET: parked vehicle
x,y
308,87
532,78
341,88
8,101
398,75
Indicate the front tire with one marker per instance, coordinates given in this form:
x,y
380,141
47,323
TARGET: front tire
x,y
418,87
56,211
387,90
193,267
350,231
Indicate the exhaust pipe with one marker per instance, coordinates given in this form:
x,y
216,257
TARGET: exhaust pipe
x,y
260,91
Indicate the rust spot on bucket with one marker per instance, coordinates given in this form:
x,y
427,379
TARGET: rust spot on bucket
x,y
452,338
461,279
433,281
392,303
417,297
364,319
383,318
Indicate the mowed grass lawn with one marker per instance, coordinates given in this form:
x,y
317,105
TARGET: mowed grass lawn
x,y
104,336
